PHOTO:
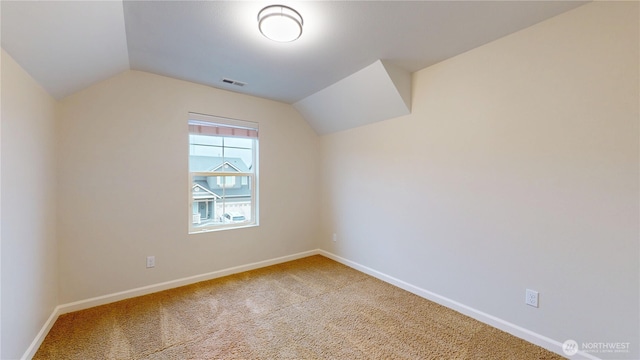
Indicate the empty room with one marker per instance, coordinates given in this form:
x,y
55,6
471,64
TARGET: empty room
x,y
320,180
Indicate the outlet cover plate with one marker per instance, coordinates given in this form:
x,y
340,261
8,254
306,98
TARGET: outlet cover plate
x,y
531,298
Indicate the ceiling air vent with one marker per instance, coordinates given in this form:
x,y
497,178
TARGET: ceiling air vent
x,y
233,82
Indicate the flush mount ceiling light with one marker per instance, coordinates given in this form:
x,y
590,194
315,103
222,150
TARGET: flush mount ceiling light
x,y
280,23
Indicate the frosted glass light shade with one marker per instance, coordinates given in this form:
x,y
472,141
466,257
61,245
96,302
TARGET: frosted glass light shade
x,y
280,23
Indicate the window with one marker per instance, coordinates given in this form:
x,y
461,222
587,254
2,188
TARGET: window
x,y
223,165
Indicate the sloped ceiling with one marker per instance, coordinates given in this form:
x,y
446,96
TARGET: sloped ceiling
x,y
67,46
378,92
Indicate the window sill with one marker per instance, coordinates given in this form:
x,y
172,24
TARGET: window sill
x,y
222,228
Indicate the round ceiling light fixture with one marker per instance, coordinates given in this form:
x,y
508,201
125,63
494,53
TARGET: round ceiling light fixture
x,y
280,23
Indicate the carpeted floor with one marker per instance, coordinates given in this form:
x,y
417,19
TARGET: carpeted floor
x,y
312,308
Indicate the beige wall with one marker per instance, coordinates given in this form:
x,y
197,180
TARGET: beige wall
x,y
123,185
518,168
29,252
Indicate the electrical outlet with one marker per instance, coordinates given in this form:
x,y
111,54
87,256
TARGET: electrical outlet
x,y
151,261
335,237
531,298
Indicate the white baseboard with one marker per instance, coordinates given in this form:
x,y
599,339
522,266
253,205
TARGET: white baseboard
x,y
530,336
35,344
127,294
513,329
105,299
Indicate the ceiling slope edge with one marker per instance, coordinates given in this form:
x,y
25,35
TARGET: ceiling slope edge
x,y
378,92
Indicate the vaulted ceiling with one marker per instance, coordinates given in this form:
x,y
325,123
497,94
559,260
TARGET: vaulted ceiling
x,y
67,46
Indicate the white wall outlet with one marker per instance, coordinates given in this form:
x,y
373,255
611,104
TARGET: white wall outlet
x,y
531,298
151,261
335,237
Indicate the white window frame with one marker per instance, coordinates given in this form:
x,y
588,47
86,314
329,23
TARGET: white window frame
x,y
210,120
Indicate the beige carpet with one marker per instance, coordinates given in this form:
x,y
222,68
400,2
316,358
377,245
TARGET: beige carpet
x,y
312,308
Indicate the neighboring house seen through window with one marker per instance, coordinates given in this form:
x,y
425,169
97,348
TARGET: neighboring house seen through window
x,y
222,173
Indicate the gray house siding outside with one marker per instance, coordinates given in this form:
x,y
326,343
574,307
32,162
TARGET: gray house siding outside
x,y
207,193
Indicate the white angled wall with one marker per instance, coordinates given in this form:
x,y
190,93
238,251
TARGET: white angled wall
x,y
378,92
29,252
518,168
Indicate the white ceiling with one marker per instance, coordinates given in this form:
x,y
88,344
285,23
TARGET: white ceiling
x,y
67,46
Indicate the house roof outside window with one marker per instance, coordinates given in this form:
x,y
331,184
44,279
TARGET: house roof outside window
x,y
211,163
202,190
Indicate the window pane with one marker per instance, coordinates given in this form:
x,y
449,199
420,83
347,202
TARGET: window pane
x,y
198,163
238,142
244,155
205,139
204,202
199,150
209,153
201,145
222,200
238,201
